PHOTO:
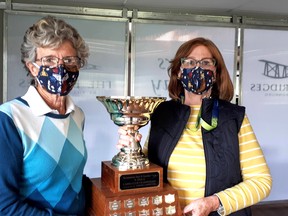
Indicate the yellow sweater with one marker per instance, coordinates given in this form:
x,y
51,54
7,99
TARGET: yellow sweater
x,y
187,170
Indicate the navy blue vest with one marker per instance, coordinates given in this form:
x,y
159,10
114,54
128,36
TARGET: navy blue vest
x,y
221,145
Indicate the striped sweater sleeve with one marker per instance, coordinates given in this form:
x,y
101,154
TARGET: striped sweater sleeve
x,y
257,180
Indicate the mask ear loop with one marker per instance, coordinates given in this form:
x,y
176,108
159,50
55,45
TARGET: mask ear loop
x,y
36,80
180,73
36,65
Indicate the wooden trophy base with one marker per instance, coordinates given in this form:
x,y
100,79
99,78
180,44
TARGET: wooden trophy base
x,y
132,193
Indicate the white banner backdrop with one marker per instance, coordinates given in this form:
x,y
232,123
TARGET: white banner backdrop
x,y
264,82
156,44
265,95
104,75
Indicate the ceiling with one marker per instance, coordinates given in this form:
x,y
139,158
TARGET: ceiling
x,y
208,7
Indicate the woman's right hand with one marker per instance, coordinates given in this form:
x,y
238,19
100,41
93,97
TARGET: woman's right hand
x,y
125,138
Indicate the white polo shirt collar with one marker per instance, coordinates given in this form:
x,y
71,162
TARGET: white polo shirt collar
x,y
39,106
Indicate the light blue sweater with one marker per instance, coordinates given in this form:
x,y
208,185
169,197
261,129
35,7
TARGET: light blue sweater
x,y
42,157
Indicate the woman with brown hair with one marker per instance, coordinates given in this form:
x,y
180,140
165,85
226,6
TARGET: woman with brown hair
x,y
205,143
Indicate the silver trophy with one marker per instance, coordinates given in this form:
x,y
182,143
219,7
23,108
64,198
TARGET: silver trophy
x,y
133,112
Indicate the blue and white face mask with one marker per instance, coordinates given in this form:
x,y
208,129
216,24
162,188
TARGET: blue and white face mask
x,y
197,79
57,80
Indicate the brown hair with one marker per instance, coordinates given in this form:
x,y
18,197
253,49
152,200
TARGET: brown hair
x,y
222,88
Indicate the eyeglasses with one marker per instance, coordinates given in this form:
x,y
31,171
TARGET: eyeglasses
x,y
204,63
70,62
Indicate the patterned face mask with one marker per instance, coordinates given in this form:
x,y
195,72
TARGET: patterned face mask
x,y
197,79
57,80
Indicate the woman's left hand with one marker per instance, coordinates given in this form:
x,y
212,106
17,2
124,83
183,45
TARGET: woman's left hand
x,y
202,207
125,139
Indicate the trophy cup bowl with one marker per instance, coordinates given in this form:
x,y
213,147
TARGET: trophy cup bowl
x,y
133,112
129,184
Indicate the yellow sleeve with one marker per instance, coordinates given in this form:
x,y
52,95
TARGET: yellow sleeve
x,y
257,180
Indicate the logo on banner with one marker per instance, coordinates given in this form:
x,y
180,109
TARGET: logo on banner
x,y
277,84
275,70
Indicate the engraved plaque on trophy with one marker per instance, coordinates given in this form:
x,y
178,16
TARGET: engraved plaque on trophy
x,y
129,183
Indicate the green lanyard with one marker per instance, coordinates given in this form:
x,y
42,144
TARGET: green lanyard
x,y
214,119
